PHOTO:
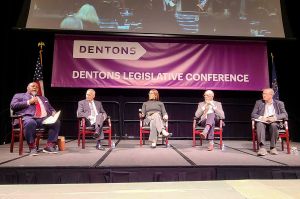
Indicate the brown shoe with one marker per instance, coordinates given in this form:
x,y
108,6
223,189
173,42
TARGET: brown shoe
x,y
210,147
203,135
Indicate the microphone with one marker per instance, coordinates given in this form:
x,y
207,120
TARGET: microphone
x,y
33,93
140,113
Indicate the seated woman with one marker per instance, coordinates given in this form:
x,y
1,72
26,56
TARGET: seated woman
x,y
154,113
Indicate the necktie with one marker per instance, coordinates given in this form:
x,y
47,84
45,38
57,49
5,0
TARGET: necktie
x,y
38,111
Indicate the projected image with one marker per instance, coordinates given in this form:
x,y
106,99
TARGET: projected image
x,y
249,18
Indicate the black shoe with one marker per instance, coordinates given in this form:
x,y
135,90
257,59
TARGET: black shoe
x,y
99,147
49,149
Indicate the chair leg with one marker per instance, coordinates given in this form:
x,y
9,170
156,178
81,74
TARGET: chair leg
x,y
221,139
141,138
194,138
253,140
21,143
109,138
12,142
288,147
83,139
37,141
78,140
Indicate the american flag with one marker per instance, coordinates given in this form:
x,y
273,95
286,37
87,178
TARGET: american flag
x,y
38,76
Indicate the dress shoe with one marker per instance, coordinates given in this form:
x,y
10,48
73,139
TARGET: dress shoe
x,y
99,147
274,151
203,135
262,152
210,147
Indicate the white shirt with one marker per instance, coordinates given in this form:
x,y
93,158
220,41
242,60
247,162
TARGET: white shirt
x,y
269,110
92,117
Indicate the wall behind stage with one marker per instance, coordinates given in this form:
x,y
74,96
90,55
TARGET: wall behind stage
x,y
19,59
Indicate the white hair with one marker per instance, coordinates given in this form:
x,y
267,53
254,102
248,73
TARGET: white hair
x,y
270,90
209,92
92,91
87,12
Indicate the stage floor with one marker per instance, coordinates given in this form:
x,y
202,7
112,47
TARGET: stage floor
x,y
233,189
128,153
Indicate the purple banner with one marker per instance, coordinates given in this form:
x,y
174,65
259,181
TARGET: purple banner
x,y
91,62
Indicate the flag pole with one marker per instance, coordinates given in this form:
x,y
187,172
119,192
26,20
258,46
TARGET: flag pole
x,y
38,74
274,82
272,57
41,45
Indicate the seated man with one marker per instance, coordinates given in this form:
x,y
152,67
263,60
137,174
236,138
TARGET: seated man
x,y
94,115
35,109
267,112
209,112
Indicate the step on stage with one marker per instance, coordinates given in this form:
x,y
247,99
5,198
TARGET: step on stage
x,y
128,162
233,189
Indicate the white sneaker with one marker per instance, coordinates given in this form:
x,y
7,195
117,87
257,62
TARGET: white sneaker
x,y
274,151
165,133
262,152
153,145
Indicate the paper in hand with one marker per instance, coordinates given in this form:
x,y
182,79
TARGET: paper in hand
x,y
52,119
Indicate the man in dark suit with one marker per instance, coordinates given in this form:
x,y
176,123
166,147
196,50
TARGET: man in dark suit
x,y
267,113
94,115
35,109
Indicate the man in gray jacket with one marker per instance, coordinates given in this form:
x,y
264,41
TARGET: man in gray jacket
x,y
268,112
94,114
209,112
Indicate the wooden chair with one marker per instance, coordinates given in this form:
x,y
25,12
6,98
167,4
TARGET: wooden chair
x,y
84,130
284,134
17,131
218,130
146,130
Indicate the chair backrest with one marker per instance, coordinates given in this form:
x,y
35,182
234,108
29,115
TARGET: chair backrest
x,y
15,119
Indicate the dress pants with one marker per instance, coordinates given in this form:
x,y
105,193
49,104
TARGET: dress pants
x,y
30,125
211,121
156,126
261,133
